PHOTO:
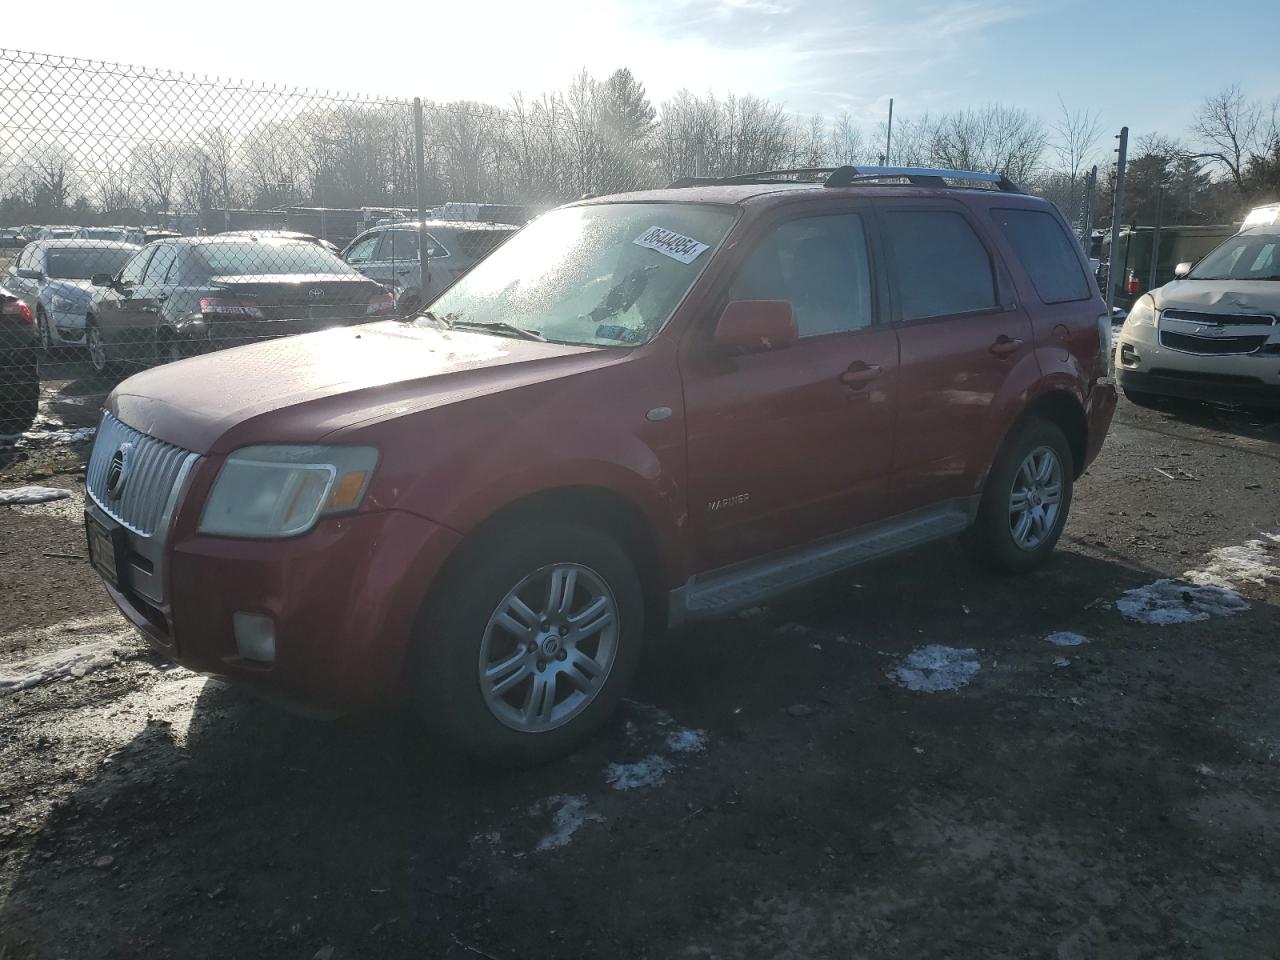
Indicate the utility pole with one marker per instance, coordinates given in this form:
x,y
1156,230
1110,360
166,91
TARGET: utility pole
x,y
1155,237
1117,211
419,160
888,137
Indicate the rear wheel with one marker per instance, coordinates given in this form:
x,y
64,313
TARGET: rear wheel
x,y
43,331
530,644
1026,499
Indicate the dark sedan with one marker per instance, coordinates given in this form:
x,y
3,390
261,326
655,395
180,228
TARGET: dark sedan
x,y
193,295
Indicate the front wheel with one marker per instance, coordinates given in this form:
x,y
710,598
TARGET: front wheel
x,y
530,643
1026,499
97,349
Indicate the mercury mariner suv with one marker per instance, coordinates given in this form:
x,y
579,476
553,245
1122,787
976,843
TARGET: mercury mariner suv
x,y
640,410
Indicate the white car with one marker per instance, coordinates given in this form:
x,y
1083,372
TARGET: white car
x,y
1213,333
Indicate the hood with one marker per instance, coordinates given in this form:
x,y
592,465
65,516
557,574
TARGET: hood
x,y
79,290
303,388
1220,296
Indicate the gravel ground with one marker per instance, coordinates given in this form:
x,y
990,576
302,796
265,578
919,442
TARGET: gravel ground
x,y
898,764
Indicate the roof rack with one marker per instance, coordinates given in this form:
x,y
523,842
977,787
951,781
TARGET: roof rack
x,y
849,175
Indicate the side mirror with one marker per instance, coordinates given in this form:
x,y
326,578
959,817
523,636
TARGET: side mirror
x,y
30,274
101,280
1182,269
756,326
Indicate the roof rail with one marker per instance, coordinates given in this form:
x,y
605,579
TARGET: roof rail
x,y
848,175
919,176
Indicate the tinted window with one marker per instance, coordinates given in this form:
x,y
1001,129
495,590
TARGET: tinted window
x,y
132,271
819,265
160,264
940,264
269,257
1046,252
362,250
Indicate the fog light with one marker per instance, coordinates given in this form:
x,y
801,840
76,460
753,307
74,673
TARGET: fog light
x,y
1128,356
255,636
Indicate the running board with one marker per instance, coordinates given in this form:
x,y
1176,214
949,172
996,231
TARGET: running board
x,y
721,592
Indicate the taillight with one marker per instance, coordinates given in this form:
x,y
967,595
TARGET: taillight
x,y
1133,286
230,307
380,305
19,311
1105,366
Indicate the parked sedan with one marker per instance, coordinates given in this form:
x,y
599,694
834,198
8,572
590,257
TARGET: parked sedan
x,y
19,376
132,235
53,276
195,294
389,254
11,238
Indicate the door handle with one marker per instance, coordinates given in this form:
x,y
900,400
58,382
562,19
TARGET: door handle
x,y
860,374
1005,345
403,270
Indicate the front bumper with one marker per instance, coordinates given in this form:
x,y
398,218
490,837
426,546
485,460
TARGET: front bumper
x,y
67,328
343,598
1188,385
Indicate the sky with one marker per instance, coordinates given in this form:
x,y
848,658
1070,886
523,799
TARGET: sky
x,y
1144,63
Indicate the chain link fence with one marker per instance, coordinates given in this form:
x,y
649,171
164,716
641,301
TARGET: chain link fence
x,y
148,215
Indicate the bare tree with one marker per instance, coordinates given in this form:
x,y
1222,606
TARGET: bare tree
x,y
1227,126
847,144
1075,140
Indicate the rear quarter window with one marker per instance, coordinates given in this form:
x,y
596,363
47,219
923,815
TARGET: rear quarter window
x,y
1046,253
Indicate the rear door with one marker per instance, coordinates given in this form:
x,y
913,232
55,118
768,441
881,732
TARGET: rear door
x,y
961,334
787,446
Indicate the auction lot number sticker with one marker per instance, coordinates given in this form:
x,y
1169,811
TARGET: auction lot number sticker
x,y
671,244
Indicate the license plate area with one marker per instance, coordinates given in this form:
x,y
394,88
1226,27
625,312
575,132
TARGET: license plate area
x,y
107,547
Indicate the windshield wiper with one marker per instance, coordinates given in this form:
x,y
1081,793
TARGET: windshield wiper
x,y
443,321
500,326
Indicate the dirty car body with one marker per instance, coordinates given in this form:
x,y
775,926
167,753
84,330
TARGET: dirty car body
x,y
640,410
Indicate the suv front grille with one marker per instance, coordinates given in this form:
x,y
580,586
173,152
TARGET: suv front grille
x,y
153,472
1209,346
1221,319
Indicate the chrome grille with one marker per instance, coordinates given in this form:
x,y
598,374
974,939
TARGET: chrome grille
x,y
155,469
1221,319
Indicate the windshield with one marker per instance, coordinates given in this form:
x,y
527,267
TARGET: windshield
x,y
1241,258
103,233
270,257
608,274
82,264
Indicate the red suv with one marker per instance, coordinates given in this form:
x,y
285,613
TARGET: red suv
x,y
640,410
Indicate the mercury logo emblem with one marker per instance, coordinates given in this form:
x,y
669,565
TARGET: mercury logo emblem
x,y
315,293
118,470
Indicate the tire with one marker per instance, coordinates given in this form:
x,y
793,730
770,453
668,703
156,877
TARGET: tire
x,y
44,333
19,398
409,306
98,359
462,626
996,536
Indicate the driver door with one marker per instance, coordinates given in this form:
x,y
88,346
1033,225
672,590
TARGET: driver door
x,y
117,314
788,446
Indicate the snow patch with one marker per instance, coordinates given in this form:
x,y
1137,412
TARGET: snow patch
x,y
569,813
68,662
650,772
1064,638
1254,561
1061,662
29,495
686,740
934,668
1168,602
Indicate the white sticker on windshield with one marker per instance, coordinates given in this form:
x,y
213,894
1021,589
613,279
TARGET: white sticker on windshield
x,y
671,244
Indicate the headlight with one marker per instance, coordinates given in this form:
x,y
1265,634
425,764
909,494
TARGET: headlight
x,y
281,491
63,305
1143,314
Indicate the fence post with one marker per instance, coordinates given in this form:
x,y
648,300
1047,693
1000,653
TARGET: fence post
x,y
418,155
1117,211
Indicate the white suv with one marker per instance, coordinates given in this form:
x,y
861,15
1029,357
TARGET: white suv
x,y
1211,334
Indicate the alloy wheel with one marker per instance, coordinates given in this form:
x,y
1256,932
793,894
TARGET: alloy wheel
x,y
548,648
1036,498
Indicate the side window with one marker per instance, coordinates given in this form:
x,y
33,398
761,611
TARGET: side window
x,y
435,249
25,258
160,264
362,250
820,265
1046,252
131,273
940,265
403,246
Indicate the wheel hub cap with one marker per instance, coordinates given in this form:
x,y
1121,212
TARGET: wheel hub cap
x,y
1035,501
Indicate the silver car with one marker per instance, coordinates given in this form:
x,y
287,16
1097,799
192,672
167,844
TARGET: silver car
x,y
1213,333
54,278
389,254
